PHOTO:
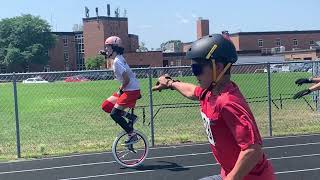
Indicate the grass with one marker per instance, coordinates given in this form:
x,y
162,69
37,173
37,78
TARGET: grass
x,y
61,118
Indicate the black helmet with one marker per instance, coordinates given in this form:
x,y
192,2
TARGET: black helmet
x,y
215,46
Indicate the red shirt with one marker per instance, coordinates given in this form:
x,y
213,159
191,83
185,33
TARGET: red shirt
x,y
231,128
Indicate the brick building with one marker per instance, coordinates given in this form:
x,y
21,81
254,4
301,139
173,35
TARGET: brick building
x,y
202,28
274,41
72,48
67,53
96,30
175,59
142,59
299,55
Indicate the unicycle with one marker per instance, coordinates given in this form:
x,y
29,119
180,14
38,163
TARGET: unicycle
x,y
131,155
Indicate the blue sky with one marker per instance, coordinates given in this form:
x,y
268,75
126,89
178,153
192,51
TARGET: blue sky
x,y
159,21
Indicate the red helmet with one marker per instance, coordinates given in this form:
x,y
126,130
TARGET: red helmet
x,y
114,41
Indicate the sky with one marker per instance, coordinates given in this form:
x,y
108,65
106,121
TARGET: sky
x,y
156,21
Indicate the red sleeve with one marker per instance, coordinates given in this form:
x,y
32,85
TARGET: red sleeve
x,y
198,91
241,124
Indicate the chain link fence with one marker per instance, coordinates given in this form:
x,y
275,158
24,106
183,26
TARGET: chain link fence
x,y
60,112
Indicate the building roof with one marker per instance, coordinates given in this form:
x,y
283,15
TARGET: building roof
x,y
133,35
105,18
173,54
275,32
145,52
260,59
316,49
67,33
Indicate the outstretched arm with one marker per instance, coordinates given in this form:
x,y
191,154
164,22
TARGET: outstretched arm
x,y
304,92
186,89
316,86
301,81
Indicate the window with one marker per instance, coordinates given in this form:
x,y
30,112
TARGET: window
x,y
311,42
3,69
260,42
65,41
295,42
278,42
47,68
178,63
66,56
79,51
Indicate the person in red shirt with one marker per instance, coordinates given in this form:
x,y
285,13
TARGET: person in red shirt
x,y
229,123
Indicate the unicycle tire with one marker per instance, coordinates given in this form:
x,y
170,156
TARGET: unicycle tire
x,y
138,155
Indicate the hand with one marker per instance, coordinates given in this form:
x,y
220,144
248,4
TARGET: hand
x,y
162,83
120,92
301,81
102,52
302,93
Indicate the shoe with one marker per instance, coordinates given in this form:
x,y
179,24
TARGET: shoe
x,y
132,138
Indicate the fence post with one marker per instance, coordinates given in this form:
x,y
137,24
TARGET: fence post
x,y
269,100
15,96
315,73
281,101
150,73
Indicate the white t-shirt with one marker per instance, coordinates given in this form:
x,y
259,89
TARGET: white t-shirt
x,y
119,67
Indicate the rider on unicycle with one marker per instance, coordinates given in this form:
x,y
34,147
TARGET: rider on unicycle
x,y
129,91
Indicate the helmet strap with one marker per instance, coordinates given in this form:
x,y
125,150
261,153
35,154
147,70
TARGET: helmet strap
x,y
214,72
111,52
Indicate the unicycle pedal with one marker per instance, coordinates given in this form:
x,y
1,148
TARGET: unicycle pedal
x,y
131,148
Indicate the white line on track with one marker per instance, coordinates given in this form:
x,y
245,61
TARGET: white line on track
x,y
164,147
201,165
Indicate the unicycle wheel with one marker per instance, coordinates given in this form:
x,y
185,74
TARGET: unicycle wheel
x,y
130,155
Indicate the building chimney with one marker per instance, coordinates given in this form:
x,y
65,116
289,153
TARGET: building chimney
x,y
108,10
202,27
87,12
97,11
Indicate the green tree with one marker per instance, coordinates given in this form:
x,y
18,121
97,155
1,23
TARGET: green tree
x,y
94,63
25,40
142,47
177,43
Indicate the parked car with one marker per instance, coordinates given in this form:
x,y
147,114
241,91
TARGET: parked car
x,y
93,76
76,79
276,68
37,79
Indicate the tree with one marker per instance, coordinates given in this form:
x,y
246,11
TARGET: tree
x,y
177,43
25,40
94,63
142,47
